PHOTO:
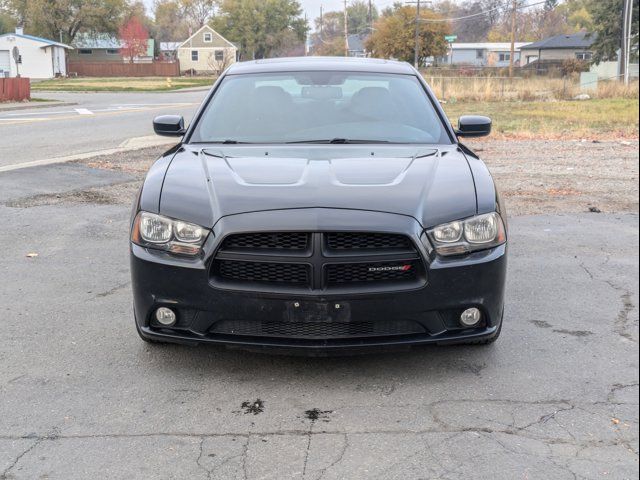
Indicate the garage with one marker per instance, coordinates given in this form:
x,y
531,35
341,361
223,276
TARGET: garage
x,y
4,63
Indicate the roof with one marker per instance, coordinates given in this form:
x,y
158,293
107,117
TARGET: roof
x,y
309,64
97,41
576,40
169,46
491,46
104,41
208,28
47,42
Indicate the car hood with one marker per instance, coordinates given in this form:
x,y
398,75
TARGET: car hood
x,y
432,185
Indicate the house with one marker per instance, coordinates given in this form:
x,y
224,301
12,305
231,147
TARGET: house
x,y
487,54
356,46
557,49
106,48
206,51
169,51
37,57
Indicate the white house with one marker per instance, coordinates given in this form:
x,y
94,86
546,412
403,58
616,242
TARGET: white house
x,y
486,54
37,57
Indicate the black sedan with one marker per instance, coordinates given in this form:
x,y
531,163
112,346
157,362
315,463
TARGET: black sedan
x,y
319,205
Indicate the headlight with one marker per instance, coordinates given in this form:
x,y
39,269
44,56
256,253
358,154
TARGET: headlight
x,y
476,233
159,232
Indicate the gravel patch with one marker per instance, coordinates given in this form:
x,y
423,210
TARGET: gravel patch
x,y
534,177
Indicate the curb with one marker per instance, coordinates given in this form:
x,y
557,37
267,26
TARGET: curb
x,y
31,106
129,145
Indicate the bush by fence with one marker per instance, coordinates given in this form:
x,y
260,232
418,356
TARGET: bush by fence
x,y
14,89
115,69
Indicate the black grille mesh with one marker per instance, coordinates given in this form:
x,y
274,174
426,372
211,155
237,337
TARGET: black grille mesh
x,y
317,329
267,241
367,241
286,273
339,274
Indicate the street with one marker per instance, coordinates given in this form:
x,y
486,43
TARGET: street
x,y
83,397
92,122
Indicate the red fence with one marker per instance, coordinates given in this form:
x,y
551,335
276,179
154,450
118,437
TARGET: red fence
x,y
116,69
14,89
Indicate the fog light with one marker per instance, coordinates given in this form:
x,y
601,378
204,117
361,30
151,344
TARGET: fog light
x,y
470,317
165,316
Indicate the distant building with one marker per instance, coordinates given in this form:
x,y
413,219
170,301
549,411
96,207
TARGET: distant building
x,y
557,49
38,57
487,54
206,51
356,46
169,50
106,48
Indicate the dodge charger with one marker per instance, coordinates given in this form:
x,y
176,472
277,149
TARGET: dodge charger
x,y
319,205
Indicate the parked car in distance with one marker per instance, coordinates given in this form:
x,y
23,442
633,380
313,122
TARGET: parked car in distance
x,y
319,205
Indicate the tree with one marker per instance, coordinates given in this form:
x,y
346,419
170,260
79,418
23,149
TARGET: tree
x,y
260,28
64,19
170,21
607,23
7,23
134,38
358,18
199,12
393,36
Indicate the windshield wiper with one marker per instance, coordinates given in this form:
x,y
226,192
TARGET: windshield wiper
x,y
340,141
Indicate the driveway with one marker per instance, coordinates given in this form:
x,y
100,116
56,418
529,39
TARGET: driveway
x,y
82,397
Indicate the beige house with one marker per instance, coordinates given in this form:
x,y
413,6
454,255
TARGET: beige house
x,y
206,51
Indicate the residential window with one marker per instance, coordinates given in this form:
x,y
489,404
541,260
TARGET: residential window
x,y
219,55
112,51
504,57
586,56
85,51
194,55
208,38
479,53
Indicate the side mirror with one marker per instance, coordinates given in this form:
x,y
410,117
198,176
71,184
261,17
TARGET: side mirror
x,y
473,126
169,125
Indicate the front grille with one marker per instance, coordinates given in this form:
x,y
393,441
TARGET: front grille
x,y
317,262
317,329
367,241
267,241
339,274
285,273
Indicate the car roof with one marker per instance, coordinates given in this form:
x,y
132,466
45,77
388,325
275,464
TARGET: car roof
x,y
308,64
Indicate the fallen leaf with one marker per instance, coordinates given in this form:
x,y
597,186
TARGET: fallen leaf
x,y
615,421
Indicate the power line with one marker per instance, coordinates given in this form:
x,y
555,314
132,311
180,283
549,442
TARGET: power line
x,y
466,17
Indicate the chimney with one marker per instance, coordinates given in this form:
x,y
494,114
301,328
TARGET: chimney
x,y
19,30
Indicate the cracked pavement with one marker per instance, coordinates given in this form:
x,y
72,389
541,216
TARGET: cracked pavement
x,y
82,397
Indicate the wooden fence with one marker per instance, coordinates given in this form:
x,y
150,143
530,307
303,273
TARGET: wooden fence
x,y
14,89
116,69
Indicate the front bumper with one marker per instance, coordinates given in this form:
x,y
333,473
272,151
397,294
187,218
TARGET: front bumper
x,y
476,280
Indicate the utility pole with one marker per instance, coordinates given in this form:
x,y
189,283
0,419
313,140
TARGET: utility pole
x,y
346,30
416,54
625,50
513,37
370,18
321,22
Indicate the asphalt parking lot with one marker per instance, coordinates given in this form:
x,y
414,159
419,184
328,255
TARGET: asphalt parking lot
x,y
82,397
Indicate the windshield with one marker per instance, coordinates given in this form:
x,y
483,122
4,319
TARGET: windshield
x,y
320,107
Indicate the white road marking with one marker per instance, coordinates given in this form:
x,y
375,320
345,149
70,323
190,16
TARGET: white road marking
x,y
83,111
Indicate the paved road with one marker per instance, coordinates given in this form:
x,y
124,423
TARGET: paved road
x,y
97,121
82,397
